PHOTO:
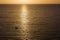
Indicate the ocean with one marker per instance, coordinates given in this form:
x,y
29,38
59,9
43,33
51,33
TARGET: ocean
x,y
30,22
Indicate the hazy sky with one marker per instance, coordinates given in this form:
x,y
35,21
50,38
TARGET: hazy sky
x,y
29,1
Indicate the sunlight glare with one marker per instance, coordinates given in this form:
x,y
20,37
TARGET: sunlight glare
x,y
24,15
24,1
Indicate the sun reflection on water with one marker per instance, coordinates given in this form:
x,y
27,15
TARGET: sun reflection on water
x,y
24,22
24,14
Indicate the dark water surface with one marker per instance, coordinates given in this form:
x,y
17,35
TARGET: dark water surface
x,y
30,22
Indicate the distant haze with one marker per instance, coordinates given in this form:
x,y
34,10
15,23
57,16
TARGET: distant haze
x,y
29,1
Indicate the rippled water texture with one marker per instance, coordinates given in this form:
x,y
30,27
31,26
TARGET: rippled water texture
x,y
30,22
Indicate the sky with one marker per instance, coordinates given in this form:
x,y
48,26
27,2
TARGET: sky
x,y
29,1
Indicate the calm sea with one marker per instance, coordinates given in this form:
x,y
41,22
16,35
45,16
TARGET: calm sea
x,y
30,22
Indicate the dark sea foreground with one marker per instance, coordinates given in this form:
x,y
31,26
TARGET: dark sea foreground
x,y
39,22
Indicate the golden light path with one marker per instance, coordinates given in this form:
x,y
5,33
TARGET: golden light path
x,y
24,22
24,15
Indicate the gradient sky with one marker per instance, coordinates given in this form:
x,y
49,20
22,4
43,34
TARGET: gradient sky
x,y
29,1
